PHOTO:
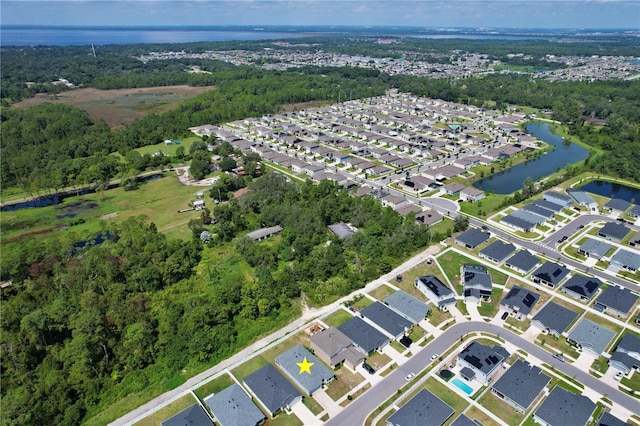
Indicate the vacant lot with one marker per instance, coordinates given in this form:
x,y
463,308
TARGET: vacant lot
x,y
121,106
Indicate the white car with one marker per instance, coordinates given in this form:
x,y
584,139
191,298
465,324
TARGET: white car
x,y
618,375
409,376
434,357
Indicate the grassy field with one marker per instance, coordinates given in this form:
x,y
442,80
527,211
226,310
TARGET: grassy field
x,y
214,386
169,150
344,382
501,409
337,318
168,411
382,292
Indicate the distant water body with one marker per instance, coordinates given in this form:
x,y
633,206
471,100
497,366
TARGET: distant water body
x,y
64,36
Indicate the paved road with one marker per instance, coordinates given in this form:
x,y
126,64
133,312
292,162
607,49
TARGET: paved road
x,y
357,412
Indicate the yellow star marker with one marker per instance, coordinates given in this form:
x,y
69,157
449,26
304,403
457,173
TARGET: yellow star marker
x,y
304,366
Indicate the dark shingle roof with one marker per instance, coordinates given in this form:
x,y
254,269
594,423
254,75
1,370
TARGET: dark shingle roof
x,y
498,250
539,210
523,260
341,230
476,276
564,408
583,285
484,358
620,299
436,286
597,247
548,205
473,237
609,419
463,420
193,415
423,409
555,317
617,204
522,383
407,305
591,336
521,298
309,382
553,196
232,406
271,388
551,272
614,230
516,222
386,318
363,335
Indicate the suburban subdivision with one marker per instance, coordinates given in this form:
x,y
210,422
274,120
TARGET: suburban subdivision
x,y
529,315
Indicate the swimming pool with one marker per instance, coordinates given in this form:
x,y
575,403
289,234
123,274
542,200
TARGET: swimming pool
x,y
462,386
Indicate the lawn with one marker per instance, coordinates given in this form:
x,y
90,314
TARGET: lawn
x,y
378,360
475,413
344,382
490,309
168,411
362,303
214,386
633,382
410,276
382,292
437,317
520,325
501,409
446,394
168,150
284,419
559,345
337,318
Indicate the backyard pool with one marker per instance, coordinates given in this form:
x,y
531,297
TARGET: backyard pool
x,y
462,386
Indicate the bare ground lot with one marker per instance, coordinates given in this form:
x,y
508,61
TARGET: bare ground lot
x,y
120,106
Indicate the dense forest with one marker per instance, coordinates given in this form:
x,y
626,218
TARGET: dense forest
x,y
81,331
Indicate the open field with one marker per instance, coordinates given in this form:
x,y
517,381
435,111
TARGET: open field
x,y
166,412
121,106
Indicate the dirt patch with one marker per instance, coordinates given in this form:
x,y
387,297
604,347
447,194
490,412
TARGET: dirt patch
x,y
108,216
302,105
121,106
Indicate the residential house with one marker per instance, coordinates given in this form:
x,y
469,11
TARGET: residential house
x,y
617,206
484,361
311,379
581,287
529,216
472,238
405,209
342,230
436,291
463,420
520,385
192,415
471,194
548,205
497,251
554,319
393,201
387,320
608,419
520,301
536,209
233,406
429,217
557,198
594,248
335,348
550,274
453,188
583,199
364,336
635,240
408,306
625,259
616,299
477,283
564,408
423,409
517,223
590,337
263,233
522,262
272,390
613,231
626,357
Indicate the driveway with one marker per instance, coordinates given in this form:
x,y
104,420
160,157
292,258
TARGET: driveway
x,y
304,414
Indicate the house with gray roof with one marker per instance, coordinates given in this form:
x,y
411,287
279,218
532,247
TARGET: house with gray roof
x,y
308,380
581,287
616,299
408,306
472,238
520,385
520,301
436,291
625,259
563,408
193,415
617,205
554,318
476,282
635,240
429,217
423,409
528,216
626,357
334,348
556,208
233,406
594,248
342,230
518,223
609,419
583,199
263,233
635,211
463,420
497,251
483,360
471,194
364,336
557,198
544,213
590,337
613,231
272,390
522,262
550,274
387,320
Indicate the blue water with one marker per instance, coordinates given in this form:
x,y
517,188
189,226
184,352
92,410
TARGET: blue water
x,y
511,179
613,190
462,386
42,36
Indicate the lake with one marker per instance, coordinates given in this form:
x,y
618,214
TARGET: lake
x,y
612,190
512,179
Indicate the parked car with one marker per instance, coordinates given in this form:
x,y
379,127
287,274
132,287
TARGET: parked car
x,y
434,357
559,357
618,376
406,341
369,368
409,376
504,316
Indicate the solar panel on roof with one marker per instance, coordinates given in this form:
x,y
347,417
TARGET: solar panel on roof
x,y
591,286
528,300
557,272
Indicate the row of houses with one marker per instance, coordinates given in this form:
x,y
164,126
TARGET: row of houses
x,y
537,212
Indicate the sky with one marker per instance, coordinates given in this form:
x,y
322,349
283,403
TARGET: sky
x,y
587,14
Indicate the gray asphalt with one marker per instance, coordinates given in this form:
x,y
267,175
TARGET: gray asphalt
x,y
356,412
